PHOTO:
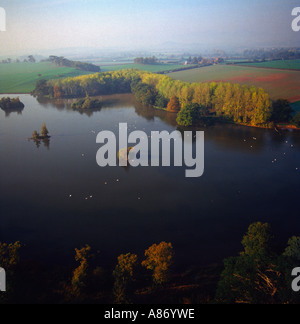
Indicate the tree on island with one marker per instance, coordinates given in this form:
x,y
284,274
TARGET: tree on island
x,y
35,135
11,104
44,131
43,136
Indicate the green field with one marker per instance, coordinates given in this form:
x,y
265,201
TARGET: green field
x,y
283,64
278,83
154,68
22,77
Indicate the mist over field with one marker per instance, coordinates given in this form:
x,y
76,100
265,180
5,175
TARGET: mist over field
x,y
88,27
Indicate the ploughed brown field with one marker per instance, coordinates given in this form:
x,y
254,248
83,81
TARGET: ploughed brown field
x,y
279,83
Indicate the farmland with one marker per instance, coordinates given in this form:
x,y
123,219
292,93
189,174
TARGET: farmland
x,y
154,68
283,64
278,83
22,77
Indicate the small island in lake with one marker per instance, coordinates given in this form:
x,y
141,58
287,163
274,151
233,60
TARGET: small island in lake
x,y
14,104
86,103
43,136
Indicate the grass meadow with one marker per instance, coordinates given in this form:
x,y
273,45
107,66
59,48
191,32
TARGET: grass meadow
x,y
154,68
282,64
22,77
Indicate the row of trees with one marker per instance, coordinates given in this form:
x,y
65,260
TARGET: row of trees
x,y
158,259
145,60
86,104
241,104
61,61
273,54
29,59
260,274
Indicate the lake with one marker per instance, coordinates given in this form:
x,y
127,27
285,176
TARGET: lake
x,y
55,198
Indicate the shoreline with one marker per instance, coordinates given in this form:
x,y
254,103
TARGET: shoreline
x,y
276,128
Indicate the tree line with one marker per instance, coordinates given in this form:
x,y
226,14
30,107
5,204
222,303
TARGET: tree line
x,y
273,54
145,60
237,103
62,61
29,59
260,274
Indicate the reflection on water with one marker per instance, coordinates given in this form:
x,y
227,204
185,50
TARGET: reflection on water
x,y
114,101
8,112
54,200
45,142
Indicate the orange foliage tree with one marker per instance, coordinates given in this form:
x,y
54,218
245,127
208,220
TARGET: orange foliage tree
x,y
174,105
57,92
80,274
159,259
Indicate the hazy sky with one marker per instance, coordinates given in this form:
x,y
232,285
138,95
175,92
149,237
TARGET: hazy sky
x,y
51,24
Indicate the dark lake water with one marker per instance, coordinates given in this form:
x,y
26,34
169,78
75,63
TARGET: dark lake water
x,y
250,175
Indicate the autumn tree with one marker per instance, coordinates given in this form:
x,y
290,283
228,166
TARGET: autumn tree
x,y
124,276
35,135
174,105
44,131
57,92
80,274
159,259
9,255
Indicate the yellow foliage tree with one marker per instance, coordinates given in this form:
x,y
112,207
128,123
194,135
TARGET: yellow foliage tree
x,y
80,274
124,275
159,259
